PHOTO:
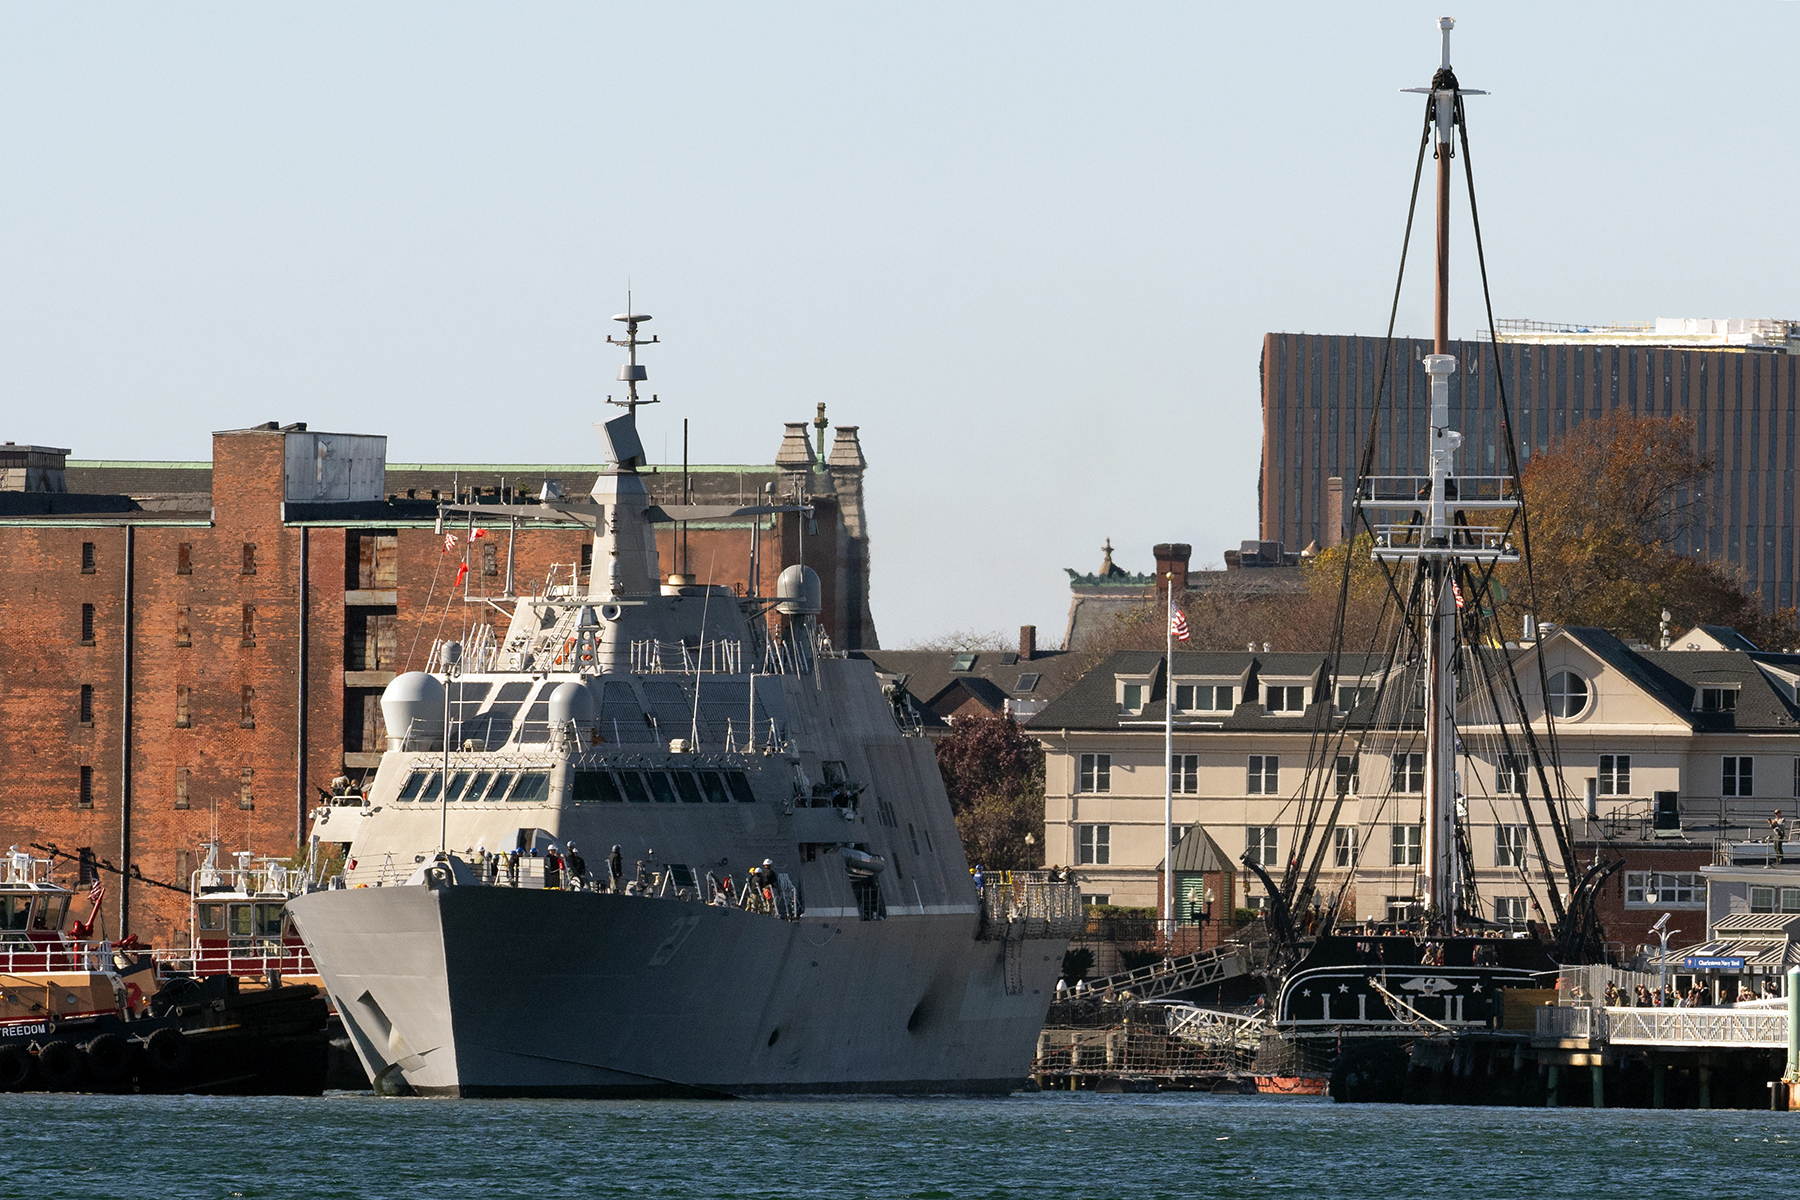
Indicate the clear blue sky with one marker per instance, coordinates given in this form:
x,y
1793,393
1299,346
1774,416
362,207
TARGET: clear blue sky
x,y
1031,249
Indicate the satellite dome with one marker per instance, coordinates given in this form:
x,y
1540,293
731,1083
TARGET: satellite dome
x,y
413,704
797,592
570,702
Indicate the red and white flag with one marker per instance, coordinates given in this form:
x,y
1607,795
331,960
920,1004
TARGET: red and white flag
x,y
449,543
462,569
1456,590
1178,625
97,892
479,533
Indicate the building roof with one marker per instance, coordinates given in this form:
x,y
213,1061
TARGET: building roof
x,y
1675,677
1197,853
990,677
1091,702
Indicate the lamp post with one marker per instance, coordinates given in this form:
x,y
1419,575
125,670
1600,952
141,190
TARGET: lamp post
x,y
1662,930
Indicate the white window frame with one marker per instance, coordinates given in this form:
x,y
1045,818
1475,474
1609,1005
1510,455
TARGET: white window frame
x,y
1093,845
1262,843
1262,775
1665,889
1093,774
1347,783
1216,697
1512,774
1344,850
1409,774
1509,845
1406,846
1131,696
1282,697
1737,775
1561,695
1614,776
1510,910
1184,774
1724,699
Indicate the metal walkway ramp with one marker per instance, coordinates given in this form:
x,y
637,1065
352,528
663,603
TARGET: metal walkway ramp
x,y
1176,974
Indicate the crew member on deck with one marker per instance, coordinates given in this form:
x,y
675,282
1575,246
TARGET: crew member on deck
x,y
616,864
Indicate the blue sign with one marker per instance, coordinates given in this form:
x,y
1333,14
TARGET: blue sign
x,y
1695,963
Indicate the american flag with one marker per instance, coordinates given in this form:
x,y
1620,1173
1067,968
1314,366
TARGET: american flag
x,y
1178,625
1456,590
97,892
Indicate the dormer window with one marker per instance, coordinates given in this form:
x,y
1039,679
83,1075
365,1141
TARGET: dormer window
x,y
1282,698
1716,699
1203,697
1131,698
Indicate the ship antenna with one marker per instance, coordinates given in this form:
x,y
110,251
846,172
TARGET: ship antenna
x,y
632,373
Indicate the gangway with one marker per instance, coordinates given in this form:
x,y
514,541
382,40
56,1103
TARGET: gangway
x,y
1172,975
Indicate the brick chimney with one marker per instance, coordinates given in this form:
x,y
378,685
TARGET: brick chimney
x,y
1027,642
1172,559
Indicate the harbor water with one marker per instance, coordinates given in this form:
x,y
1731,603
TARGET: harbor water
x,y
1036,1146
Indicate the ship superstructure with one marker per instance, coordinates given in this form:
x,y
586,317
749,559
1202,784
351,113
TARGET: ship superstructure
x,y
774,899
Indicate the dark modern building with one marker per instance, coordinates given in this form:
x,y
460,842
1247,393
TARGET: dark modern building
x,y
1735,381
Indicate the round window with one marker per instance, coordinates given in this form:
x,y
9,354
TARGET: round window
x,y
1568,694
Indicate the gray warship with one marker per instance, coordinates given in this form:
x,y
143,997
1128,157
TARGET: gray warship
x,y
791,910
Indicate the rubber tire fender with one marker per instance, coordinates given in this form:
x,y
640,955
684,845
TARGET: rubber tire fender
x,y
16,1068
167,1052
108,1058
60,1064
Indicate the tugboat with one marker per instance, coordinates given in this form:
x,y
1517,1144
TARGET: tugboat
x,y
775,901
84,1014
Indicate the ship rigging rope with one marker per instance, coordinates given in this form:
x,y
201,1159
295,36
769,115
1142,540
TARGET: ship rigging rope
x,y
429,592
1558,819
1335,656
1322,750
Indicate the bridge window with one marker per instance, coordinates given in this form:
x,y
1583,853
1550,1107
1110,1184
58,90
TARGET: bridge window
x,y
502,781
740,788
211,917
635,791
662,791
714,787
533,787
596,786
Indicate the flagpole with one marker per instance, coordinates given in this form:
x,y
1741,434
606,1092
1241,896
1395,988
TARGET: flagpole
x,y
1169,766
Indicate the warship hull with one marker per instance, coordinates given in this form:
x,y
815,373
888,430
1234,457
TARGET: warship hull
x,y
484,991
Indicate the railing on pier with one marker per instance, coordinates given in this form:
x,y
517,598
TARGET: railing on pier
x,y
1030,904
1697,1027
1670,1028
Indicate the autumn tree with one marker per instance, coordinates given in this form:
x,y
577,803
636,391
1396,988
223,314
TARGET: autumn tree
x,y
1609,508
994,773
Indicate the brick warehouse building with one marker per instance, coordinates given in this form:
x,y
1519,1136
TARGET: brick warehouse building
x,y
198,648
1318,395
